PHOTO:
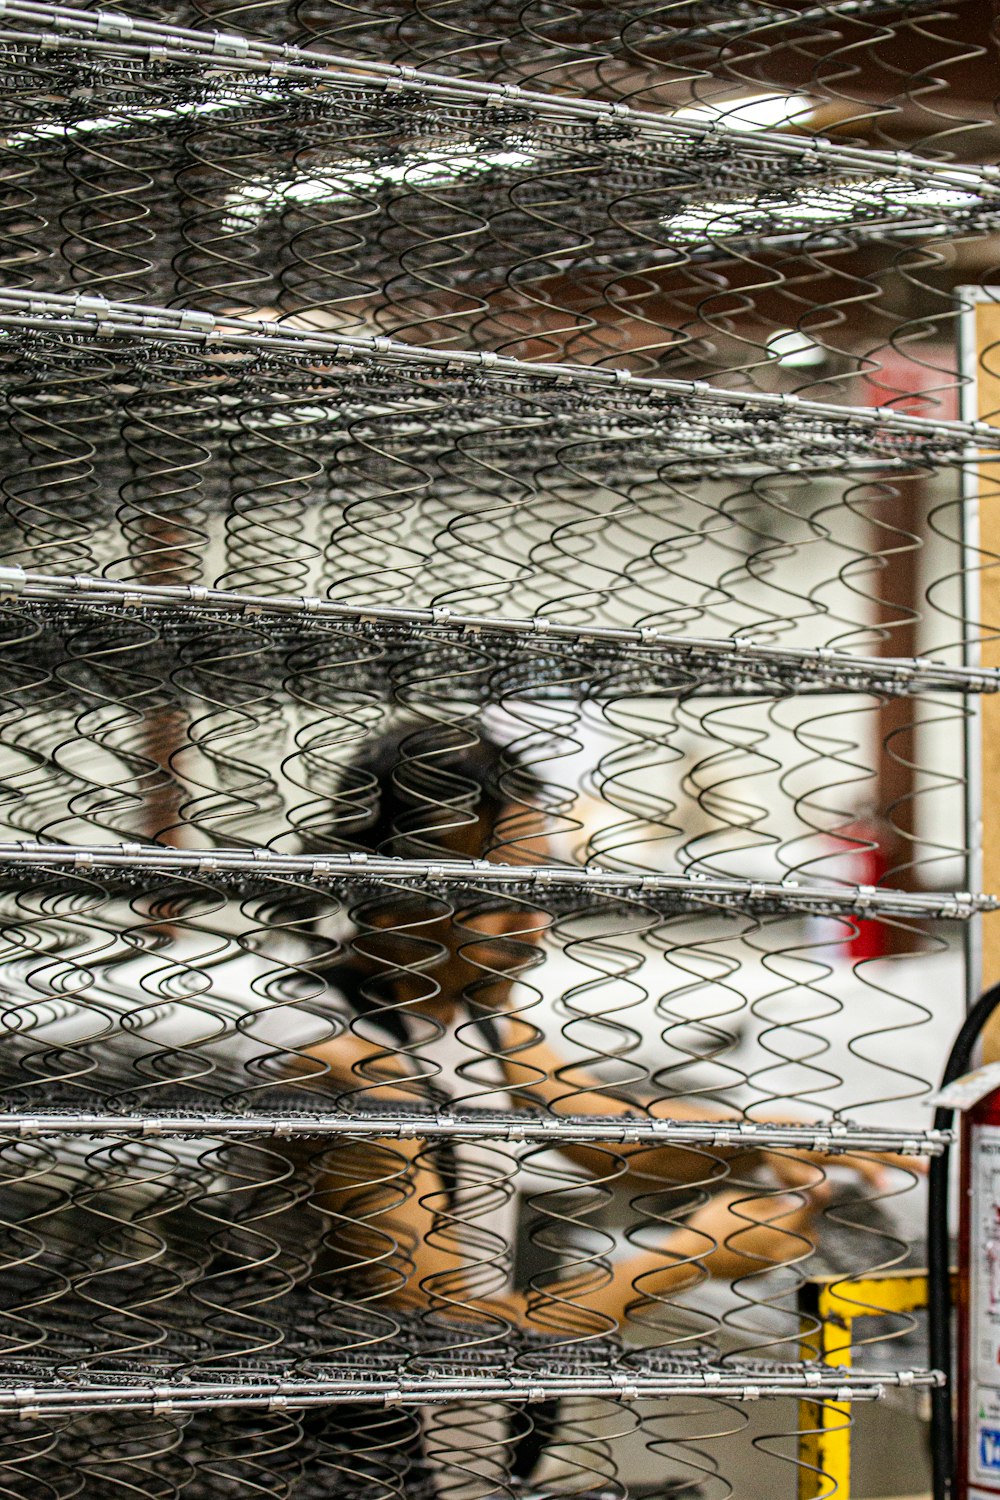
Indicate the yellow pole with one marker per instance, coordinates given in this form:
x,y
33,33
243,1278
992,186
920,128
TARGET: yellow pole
x,y
825,1427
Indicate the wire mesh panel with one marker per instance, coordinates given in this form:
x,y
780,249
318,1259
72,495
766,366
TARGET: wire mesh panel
x,y
484,686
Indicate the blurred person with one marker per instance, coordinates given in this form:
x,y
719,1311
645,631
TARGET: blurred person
x,y
431,1015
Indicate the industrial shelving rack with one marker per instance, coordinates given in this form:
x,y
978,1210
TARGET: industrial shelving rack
x,y
166,362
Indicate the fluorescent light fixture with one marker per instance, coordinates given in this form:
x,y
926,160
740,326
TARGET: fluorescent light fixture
x,y
755,112
791,347
97,124
875,198
853,200
431,169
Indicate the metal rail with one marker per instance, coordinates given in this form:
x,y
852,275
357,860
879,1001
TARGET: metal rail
x,y
241,70
55,312
65,27
637,402
833,1138
192,1394
643,649
557,885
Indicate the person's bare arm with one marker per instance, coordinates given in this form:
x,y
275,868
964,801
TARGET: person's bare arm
x,y
536,1073
731,1236
355,1063
534,1070
394,1228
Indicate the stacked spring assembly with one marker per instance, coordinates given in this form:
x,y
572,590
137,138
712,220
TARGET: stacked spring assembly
x,y
484,687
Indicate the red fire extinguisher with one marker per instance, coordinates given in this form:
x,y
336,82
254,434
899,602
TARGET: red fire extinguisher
x,y
978,1351
965,1461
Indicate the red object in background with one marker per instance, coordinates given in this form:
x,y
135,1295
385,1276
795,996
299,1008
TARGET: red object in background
x,y
921,384
869,863
977,1362
862,857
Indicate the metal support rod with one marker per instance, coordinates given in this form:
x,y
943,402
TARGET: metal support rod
x,y
563,884
824,667
67,27
87,314
833,1138
472,1385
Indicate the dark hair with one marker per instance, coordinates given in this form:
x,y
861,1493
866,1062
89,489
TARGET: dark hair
x,y
411,790
416,790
